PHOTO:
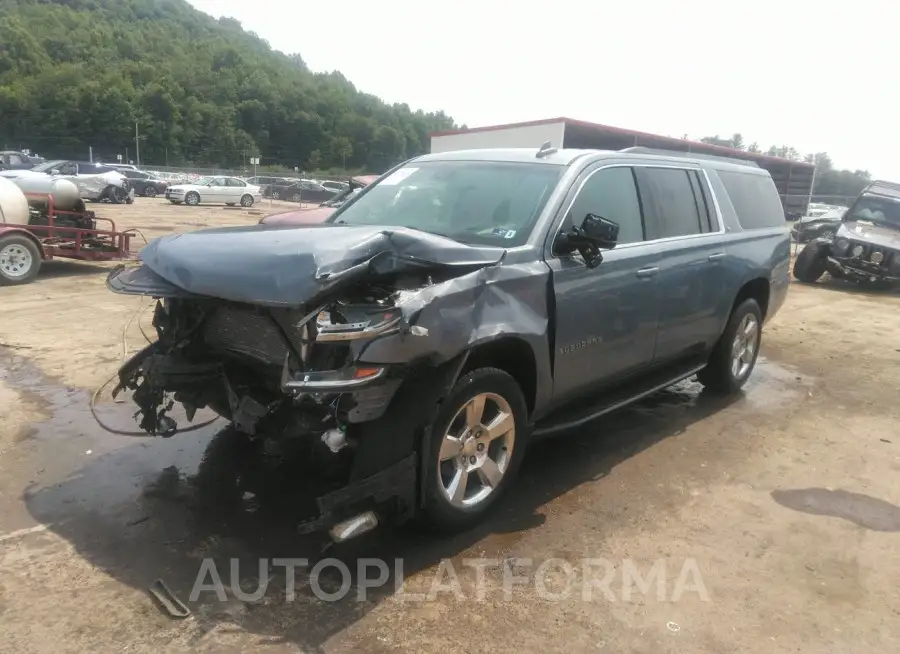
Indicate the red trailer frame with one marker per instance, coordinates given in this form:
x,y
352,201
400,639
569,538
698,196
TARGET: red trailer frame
x,y
77,243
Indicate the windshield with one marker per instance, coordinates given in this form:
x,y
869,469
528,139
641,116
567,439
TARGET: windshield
x,y
877,209
473,202
203,181
47,167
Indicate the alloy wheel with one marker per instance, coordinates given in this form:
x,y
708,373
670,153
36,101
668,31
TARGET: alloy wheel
x,y
746,342
476,450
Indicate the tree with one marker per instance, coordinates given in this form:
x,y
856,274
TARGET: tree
x,y
754,148
76,73
737,141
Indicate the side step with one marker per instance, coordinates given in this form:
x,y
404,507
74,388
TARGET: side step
x,y
570,417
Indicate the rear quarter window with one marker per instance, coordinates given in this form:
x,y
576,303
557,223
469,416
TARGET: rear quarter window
x,y
754,198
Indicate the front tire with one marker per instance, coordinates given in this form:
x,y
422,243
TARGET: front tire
x,y
247,201
192,198
20,260
477,442
150,192
734,357
810,263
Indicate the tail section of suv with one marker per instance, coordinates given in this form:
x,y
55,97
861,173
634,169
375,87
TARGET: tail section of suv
x,y
461,306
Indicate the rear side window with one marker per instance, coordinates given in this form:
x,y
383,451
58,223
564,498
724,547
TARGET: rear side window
x,y
675,201
754,198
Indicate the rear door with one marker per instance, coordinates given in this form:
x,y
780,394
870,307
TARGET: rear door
x,y
687,228
606,316
235,189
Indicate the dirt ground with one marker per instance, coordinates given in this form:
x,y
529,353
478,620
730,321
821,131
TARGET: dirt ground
x,y
783,505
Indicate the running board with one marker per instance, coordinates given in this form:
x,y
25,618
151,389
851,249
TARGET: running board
x,y
569,418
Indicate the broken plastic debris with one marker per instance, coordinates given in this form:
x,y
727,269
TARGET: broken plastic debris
x,y
168,600
417,330
673,626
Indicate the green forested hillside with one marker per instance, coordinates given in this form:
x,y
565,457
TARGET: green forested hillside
x,y
78,73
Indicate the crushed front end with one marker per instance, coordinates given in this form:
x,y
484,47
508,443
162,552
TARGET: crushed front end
x,y
292,374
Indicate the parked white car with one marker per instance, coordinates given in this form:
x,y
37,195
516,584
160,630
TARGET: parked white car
x,y
215,190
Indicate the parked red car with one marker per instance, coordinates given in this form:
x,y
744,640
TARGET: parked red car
x,y
320,213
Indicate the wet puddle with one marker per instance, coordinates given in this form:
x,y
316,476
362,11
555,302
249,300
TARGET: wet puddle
x,y
148,508
863,510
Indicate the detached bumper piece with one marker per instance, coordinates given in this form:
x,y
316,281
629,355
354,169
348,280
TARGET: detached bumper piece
x,y
354,509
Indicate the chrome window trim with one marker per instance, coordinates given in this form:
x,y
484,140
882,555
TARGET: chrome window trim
x,y
667,239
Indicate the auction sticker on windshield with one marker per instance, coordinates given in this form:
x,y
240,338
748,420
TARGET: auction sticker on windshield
x,y
397,177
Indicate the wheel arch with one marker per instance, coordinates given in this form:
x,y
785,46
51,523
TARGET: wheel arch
x,y
7,230
757,288
510,354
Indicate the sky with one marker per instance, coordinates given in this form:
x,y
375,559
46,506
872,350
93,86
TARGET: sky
x,y
816,75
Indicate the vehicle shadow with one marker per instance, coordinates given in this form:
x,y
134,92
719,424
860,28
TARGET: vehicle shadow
x,y
158,508
58,268
846,286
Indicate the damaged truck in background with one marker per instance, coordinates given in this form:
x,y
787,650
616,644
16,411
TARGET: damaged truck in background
x,y
459,307
865,246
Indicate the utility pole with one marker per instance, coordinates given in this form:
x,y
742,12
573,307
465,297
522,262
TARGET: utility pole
x,y
91,153
137,145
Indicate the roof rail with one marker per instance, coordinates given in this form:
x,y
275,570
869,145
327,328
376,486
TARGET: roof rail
x,y
640,149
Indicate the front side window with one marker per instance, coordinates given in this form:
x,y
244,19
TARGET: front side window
x,y
610,193
473,202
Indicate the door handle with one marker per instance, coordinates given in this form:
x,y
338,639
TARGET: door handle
x,y
648,272
718,256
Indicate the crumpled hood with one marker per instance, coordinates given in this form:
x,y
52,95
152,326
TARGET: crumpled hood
x,y
301,217
869,232
290,266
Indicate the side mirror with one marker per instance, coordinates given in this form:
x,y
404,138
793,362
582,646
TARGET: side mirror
x,y
596,233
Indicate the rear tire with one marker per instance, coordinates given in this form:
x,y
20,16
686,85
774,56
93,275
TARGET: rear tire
x,y
20,260
734,356
810,263
247,201
470,467
150,192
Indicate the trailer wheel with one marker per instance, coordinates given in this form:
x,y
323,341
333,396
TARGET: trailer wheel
x,y
20,260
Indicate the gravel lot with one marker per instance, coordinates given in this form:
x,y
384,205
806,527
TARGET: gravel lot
x,y
773,518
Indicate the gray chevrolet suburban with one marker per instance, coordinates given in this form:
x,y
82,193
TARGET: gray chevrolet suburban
x,y
461,306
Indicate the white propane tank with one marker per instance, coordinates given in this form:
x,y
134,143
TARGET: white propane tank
x,y
64,192
13,204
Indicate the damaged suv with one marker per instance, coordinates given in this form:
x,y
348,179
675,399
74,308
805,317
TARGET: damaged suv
x,y
462,305
866,244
